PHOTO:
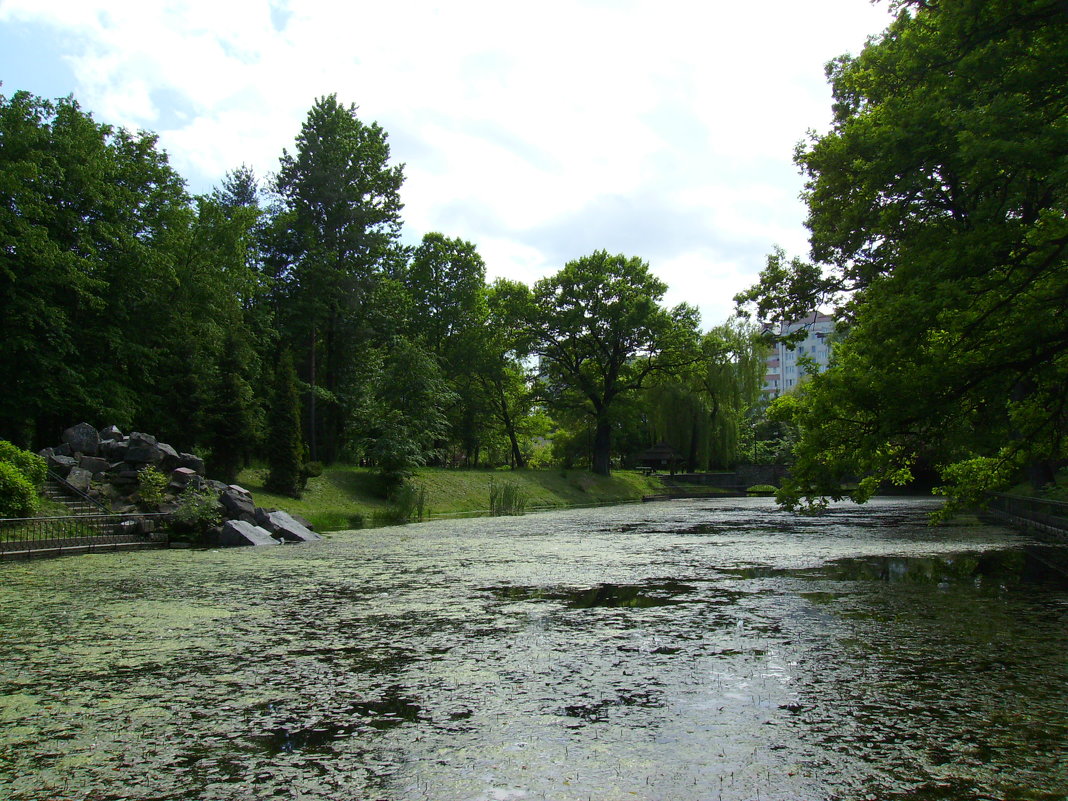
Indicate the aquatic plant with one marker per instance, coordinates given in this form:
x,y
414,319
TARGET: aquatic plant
x,y
507,498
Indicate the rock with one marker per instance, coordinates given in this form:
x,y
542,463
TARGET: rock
x,y
285,526
44,453
142,449
123,477
303,521
182,477
192,461
127,527
94,464
79,478
115,450
238,532
63,450
61,465
170,459
237,504
111,432
82,438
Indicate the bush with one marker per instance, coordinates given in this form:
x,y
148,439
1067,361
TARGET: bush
x,y
18,497
151,483
407,502
762,489
32,466
198,510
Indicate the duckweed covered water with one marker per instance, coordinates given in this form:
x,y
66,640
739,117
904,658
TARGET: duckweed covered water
x,y
712,649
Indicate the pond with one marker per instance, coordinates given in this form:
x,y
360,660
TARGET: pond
x,y
713,649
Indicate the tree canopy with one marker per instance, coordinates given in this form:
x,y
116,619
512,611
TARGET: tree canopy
x,y
938,206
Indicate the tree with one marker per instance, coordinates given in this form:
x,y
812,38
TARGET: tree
x,y
341,216
402,412
600,332
284,447
938,205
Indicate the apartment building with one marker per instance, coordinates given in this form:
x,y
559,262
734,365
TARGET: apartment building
x,y
783,370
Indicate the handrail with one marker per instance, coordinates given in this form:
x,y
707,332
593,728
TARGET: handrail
x,y
70,489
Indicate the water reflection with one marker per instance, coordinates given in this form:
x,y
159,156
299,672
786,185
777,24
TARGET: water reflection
x,y
704,650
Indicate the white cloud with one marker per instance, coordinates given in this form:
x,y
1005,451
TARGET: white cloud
x,y
665,126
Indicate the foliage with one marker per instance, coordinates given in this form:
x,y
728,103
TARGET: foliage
x,y
938,205
762,489
506,498
284,448
198,510
600,333
150,486
18,497
407,503
32,466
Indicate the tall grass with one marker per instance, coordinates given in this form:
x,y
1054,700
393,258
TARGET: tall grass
x,y
507,498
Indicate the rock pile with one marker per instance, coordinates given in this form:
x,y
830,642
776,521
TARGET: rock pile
x,y
105,465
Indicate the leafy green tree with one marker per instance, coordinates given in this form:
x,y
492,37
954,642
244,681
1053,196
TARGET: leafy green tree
x,y
335,232
231,428
402,413
599,330
88,219
938,205
284,446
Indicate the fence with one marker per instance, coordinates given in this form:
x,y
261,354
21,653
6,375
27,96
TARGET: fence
x,y
1039,513
54,536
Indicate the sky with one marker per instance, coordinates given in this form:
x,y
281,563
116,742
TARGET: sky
x,y
540,132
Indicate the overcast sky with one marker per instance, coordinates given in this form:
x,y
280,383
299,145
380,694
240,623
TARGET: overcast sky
x,y
540,132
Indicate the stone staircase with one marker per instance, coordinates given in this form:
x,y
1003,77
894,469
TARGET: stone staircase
x,y
55,491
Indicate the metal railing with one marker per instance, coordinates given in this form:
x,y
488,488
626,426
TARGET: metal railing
x,y
47,536
74,492
1041,512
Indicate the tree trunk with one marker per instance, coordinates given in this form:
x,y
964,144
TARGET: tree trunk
x,y
602,447
509,426
312,452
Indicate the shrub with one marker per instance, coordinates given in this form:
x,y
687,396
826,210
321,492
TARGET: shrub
x,y
762,489
407,502
18,497
151,483
198,510
32,466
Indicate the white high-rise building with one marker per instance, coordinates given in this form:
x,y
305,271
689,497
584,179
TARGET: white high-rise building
x,y
783,371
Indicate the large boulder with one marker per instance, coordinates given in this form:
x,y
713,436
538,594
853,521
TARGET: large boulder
x,y
111,432
94,464
240,532
61,465
170,459
143,449
237,503
182,477
282,524
82,438
192,461
79,478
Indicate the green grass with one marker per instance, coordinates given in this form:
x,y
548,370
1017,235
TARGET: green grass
x,y
346,497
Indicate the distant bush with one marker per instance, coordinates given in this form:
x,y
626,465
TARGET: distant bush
x,y
762,489
18,496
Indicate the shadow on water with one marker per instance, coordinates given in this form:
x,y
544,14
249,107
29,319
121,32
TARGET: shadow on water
x,y
631,596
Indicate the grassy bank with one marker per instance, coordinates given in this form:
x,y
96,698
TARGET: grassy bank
x,y
346,497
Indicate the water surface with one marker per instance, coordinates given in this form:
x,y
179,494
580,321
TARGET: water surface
x,y
714,649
